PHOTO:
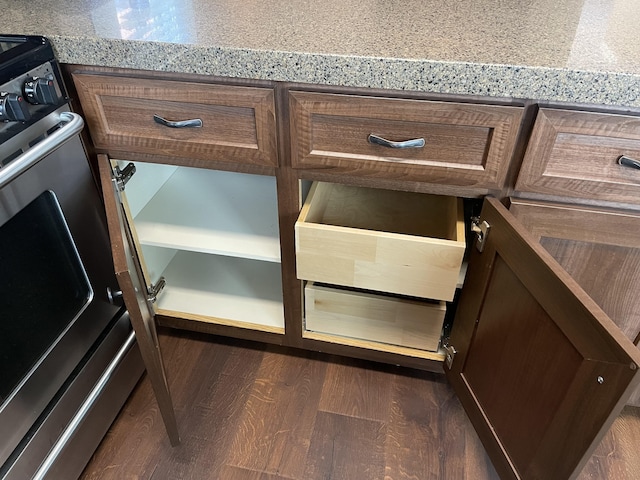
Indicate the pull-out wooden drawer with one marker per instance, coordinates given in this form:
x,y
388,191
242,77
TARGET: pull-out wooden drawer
x,y
388,241
464,145
375,318
237,123
575,154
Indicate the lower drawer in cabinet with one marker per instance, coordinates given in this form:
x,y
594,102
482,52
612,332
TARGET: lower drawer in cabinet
x,y
374,318
389,241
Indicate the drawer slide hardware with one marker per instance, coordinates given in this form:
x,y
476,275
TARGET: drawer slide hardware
x,y
154,290
450,355
481,229
122,176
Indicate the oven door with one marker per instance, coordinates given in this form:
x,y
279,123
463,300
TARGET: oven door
x,y
56,268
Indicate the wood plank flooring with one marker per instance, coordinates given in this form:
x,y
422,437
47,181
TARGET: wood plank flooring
x,y
249,411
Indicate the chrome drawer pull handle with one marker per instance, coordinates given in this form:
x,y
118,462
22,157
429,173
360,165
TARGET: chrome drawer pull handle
x,y
194,123
628,162
414,143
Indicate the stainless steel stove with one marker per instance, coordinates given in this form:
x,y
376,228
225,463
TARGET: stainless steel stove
x,y
68,357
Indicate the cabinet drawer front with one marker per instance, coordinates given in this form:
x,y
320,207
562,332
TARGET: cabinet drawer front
x,y
375,318
576,154
466,145
238,123
396,242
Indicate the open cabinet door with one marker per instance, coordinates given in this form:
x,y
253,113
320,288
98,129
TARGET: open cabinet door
x,y
541,371
128,273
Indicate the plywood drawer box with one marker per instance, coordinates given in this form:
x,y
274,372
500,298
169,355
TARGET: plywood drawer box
x,y
468,145
575,154
398,242
376,318
238,123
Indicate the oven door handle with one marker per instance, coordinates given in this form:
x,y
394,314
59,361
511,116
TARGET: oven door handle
x,y
71,124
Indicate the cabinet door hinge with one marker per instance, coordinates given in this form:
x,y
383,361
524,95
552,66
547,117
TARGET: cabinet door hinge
x,y
154,290
450,354
481,229
122,176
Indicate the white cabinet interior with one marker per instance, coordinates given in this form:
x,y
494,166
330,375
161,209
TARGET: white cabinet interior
x,y
214,236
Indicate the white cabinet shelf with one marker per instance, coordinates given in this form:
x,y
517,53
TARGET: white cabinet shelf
x,y
205,211
225,290
214,236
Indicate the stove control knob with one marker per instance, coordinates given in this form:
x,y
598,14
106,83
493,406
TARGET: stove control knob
x,y
41,91
13,108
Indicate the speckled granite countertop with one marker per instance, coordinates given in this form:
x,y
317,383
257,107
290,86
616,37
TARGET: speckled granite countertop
x,y
584,51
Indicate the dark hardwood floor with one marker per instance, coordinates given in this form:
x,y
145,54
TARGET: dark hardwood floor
x,y
249,411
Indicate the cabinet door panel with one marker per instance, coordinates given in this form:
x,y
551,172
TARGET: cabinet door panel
x,y
600,249
132,285
536,357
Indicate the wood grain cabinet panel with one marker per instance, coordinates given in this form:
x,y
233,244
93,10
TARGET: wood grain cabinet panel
x,y
540,369
465,145
238,123
601,251
575,154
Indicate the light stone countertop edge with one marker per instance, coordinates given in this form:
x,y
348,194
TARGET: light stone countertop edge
x,y
491,80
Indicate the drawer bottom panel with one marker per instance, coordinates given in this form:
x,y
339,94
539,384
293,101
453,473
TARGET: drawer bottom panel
x,y
371,317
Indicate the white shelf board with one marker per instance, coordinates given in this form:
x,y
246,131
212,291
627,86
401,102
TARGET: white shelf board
x,y
225,288
210,211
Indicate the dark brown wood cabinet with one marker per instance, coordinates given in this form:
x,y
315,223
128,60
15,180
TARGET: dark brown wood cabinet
x,y
194,121
198,191
532,357
598,247
530,354
575,154
572,164
446,143
136,297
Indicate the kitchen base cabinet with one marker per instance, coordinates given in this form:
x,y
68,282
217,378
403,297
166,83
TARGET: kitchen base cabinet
x,y
213,237
530,354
